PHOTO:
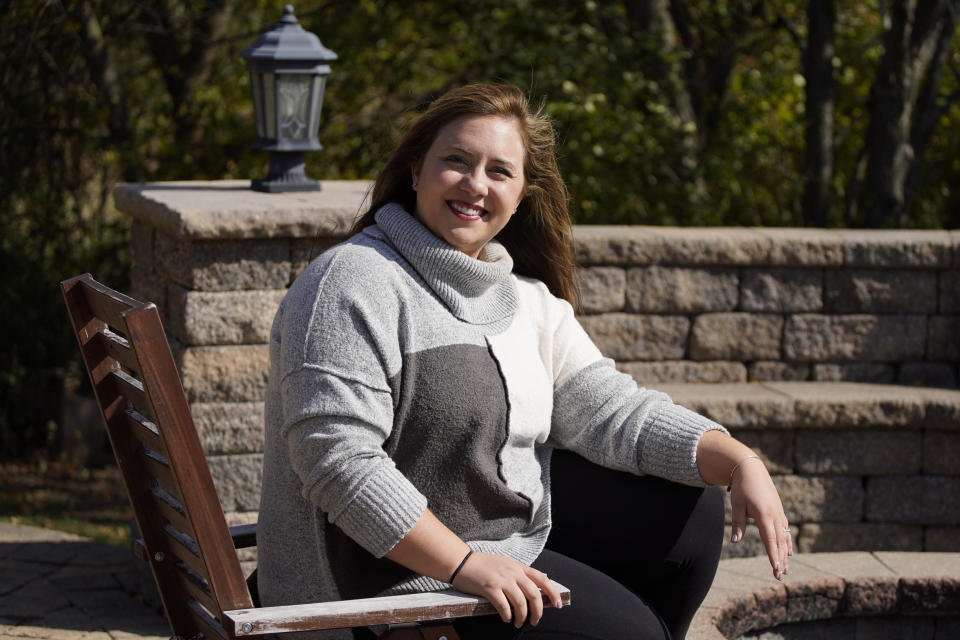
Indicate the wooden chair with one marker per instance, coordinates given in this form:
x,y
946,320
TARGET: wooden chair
x,y
184,534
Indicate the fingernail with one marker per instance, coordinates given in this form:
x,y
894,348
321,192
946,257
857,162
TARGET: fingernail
x,y
790,553
735,537
558,604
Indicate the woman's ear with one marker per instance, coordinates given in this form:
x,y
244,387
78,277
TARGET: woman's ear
x,y
414,177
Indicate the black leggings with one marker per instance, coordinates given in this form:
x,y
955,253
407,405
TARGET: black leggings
x,y
638,553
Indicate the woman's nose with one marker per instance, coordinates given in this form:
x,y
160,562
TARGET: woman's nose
x,y
474,183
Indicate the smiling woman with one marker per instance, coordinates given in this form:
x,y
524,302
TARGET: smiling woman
x,y
437,417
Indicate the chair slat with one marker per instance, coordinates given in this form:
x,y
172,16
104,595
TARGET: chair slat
x,y
185,549
144,430
207,624
131,389
159,469
171,514
195,587
109,305
118,348
416,607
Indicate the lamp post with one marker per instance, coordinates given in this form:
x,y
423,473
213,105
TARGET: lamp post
x,y
288,74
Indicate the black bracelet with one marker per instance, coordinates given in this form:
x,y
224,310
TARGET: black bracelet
x,y
460,566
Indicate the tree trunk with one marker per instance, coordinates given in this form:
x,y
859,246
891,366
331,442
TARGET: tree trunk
x,y
909,47
820,90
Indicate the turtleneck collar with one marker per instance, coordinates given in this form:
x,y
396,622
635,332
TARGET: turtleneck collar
x,y
476,291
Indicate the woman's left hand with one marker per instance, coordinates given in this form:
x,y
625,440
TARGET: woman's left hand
x,y
753,495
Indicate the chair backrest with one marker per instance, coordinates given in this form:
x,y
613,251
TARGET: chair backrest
x,y
182,526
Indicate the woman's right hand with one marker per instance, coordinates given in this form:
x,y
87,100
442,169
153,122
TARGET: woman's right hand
x,y
512,587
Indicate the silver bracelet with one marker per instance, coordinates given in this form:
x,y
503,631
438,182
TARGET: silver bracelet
x,y
734,470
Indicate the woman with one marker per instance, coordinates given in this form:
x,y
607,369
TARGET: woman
x,y
422,374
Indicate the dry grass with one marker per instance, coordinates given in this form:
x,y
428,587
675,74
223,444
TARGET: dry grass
x,y
87,502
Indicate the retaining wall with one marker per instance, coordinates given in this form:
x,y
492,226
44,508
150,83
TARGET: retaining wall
x,y
797,312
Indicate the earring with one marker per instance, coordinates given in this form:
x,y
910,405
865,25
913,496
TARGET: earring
x,y
414,185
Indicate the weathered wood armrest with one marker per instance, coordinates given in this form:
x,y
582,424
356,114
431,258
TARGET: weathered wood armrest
x,y
415,607
244,535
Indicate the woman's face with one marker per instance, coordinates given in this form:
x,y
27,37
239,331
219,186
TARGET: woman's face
x,y
471,180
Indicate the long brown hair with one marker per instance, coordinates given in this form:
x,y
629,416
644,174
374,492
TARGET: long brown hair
x,y
538,235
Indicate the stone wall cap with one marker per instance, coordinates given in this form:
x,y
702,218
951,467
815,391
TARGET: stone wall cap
x,y
787,405
229,209
765,246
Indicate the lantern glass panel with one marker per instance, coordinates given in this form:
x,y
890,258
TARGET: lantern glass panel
x,y
317,99
256,84
294,93
269,106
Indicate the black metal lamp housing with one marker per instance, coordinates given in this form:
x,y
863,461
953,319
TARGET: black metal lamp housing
x,y
288,75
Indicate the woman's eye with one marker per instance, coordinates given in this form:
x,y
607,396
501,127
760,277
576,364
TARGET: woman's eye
x,y
455,159
503,171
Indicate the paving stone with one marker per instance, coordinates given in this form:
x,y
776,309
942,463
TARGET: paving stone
x,y
775,447
681,290
229,427
736,336
141,244
624,336
304,250
147,286
902,248
66,624
928,374
223,265
222,317
823,537
941,539
919,565
653,373
880,291
33,600
930,500
871,596
846,404
640,245
602,289
781,290
872,372
736,406
17,574
941,452
775,370
223,373
942,408
926,594
950,291
821,498
848,452
859,338
237,479
943,338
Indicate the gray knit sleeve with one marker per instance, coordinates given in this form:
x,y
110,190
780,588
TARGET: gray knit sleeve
x,y
339,352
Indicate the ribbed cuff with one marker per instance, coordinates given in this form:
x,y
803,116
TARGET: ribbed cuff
x,y
670,447
382,512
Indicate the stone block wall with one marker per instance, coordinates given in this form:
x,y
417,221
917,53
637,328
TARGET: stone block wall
x,y
746,305
858,466
794,311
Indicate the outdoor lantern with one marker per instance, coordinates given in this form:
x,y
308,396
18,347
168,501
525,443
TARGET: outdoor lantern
x,y
288,73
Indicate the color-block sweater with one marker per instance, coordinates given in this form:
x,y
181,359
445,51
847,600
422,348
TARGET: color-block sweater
x,y
406,375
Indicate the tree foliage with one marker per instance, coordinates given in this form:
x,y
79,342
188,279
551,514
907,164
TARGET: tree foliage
x,y
740,112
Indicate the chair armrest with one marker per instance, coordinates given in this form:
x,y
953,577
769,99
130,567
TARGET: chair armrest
x,y
414,607
244,535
